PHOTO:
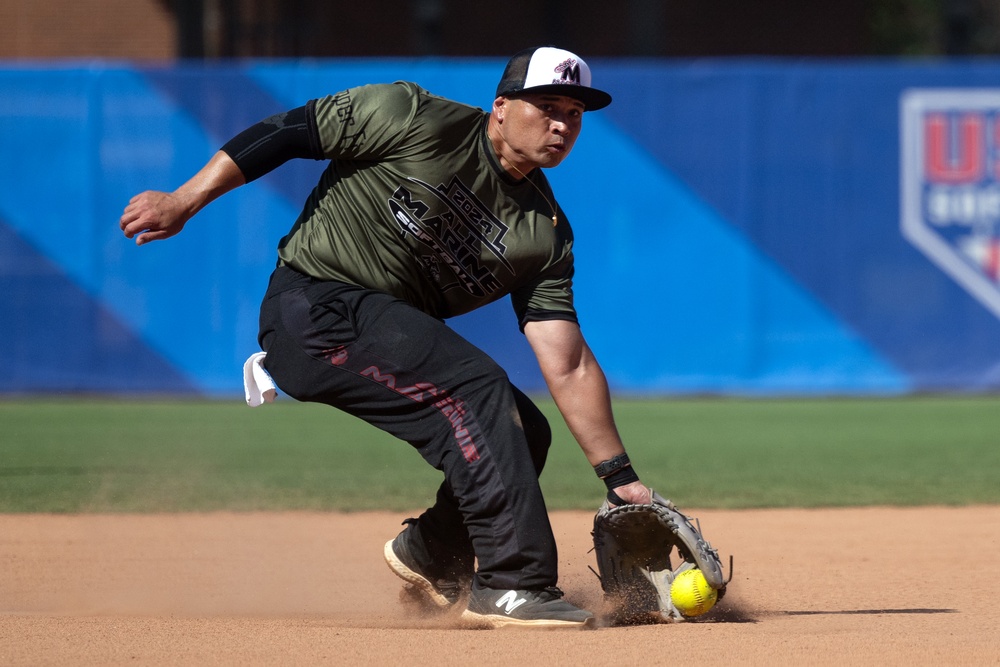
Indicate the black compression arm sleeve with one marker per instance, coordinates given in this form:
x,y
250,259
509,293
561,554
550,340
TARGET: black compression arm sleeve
x,y
276,140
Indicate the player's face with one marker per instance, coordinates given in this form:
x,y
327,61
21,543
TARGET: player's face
x,y
541,129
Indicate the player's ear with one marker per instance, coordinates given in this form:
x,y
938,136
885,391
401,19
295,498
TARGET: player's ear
x,y
499,105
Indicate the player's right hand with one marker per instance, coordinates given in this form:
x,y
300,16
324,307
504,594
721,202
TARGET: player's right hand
x,y
153,216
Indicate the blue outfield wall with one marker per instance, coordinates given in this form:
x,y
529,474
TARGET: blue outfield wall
x,y
746,227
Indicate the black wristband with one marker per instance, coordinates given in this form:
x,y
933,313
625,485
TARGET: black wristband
x,y
612,465
621,478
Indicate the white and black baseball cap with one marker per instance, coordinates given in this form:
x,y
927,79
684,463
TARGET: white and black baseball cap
x,y
546,69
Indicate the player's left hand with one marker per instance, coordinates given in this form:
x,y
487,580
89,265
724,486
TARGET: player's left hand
x,y
634,493
634,544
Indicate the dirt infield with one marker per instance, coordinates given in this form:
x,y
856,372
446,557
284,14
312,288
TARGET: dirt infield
x,y
910,586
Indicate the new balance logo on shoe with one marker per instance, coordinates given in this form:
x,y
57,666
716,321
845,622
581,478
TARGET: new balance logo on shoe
x,y
509,602
497,608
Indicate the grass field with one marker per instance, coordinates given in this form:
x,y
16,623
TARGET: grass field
x,y
95,455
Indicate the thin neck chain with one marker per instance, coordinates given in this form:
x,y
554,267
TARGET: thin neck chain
x,y
555,215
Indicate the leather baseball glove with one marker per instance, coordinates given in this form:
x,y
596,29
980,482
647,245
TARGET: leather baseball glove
x,y
633,544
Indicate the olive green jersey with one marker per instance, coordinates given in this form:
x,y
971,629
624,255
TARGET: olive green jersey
x,y
415,203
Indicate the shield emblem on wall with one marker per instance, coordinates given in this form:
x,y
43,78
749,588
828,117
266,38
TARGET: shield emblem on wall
x,y
950,184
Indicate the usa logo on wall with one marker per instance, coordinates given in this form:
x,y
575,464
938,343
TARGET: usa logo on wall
x,y
950,184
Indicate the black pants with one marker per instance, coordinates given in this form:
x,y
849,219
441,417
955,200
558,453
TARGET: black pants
x,y
407,373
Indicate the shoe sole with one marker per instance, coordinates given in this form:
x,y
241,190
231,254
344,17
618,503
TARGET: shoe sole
x,y
493,621
400,569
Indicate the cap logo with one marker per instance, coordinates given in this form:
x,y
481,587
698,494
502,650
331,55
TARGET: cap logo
x,y
569,71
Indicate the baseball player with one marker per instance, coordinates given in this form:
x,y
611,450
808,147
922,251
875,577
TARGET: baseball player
x,y
429,209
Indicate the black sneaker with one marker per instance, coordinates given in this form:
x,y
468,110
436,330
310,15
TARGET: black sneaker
x,y
493,608
421,587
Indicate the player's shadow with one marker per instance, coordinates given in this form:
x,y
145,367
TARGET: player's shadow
x,y
739,613
869,612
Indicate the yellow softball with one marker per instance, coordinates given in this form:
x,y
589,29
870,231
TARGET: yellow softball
x,y
691,594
